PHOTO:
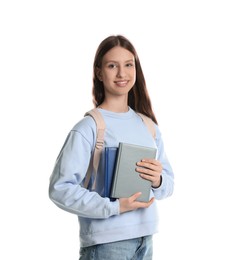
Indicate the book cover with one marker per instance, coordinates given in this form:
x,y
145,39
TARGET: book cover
x,y
110,163
126,179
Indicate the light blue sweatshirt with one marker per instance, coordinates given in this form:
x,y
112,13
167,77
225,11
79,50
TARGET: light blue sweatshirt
x,y
99,218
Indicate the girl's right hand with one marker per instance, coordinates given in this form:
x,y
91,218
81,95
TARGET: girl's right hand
x,y
129,204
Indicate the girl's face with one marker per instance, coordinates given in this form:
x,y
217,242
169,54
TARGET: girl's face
x,y
118,72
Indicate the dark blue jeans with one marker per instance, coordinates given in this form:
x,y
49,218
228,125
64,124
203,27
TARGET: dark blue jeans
x,y
132,249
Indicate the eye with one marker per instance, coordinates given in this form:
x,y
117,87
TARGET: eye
x,y
112,65
129,65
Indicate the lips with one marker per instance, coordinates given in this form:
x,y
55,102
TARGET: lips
x,y
121,83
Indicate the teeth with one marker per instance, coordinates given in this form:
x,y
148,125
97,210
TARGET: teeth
x,y
121,82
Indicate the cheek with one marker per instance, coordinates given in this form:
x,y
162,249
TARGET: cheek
x,y
133,75
107,76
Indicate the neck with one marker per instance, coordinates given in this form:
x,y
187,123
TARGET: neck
x,y
115,105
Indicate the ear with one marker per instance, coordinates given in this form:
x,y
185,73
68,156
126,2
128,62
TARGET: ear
x,y
98,73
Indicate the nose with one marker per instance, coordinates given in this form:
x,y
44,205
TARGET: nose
x,y
120,72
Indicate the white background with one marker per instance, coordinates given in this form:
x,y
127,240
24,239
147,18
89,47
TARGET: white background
x,y
46,55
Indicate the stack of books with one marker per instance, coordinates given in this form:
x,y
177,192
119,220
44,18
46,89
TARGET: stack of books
x,y
121,178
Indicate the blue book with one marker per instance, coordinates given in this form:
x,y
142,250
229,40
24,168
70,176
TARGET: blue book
x,y
110,163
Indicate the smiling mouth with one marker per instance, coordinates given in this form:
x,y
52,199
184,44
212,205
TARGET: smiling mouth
x,y
121,83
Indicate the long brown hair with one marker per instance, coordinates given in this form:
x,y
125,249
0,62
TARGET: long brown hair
x,y
138,97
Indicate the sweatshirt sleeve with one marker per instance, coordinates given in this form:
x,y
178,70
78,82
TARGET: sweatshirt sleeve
x,y
65,188
167,183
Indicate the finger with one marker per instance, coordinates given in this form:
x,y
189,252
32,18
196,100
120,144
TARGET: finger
x,y
151,201
145,204
135,196
149,165
151,160
149,177
145,166
145,171
151,172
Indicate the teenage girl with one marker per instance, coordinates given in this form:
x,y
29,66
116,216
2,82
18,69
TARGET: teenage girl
x,y
120,229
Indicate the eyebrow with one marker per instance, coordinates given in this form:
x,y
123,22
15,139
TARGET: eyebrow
x,y
131,60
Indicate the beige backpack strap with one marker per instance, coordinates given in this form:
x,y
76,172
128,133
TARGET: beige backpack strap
x,y
94,163
149,123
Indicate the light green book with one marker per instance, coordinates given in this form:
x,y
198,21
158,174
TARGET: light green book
x,y
127,180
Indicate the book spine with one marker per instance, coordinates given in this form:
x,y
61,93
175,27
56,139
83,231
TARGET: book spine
x,y
113,189
106,177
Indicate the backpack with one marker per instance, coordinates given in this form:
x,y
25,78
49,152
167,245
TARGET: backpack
x,y
100,125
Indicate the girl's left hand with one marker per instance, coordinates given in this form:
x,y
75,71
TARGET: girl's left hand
x,y
150,169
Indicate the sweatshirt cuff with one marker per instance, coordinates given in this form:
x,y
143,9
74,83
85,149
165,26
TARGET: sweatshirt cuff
x,y
114,207
161,184
155,188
